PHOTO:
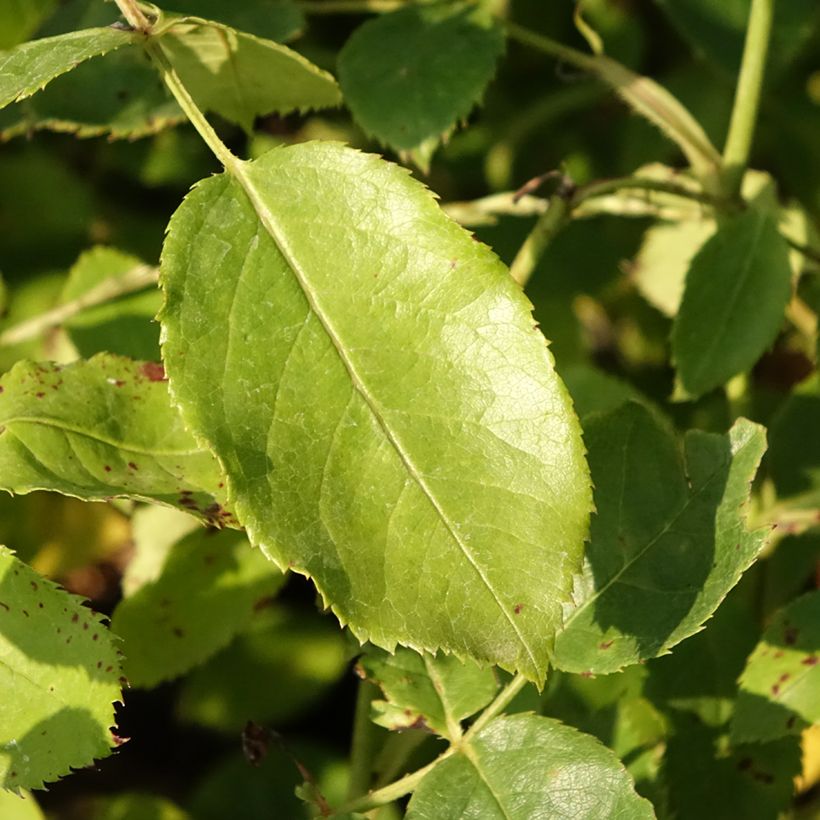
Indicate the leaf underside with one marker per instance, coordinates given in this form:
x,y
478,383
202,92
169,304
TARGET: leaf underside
x,y
668,540
59,678
387,414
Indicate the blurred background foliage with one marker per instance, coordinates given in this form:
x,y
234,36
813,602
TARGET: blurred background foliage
x,y
288,669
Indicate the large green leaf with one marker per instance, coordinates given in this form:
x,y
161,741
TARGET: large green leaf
x,y
409,77
124,325
780,686
101,428
388,416
206,593
426,691
240,76
667,541
737,289
59,678
717,29
28,68
524,766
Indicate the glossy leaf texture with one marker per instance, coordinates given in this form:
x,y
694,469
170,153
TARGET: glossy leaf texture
x,y
737,289
240,77
780,686
423,691
411,76
101,428
205,594
124,325
668,540
59,678
387,414
524,766
29,67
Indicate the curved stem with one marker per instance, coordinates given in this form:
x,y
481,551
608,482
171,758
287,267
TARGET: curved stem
x,y
132,13
609,186
747,96
136,279
502,701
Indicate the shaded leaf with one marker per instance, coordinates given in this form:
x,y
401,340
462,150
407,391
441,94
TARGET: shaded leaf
x,y
780,686
707,778
101,428
29,67
524,766
19,19
410,76
426,691
20,806
272,673
668,540
279,20
736,292
596,391
406,442
59,678
205,594
240,77
124,325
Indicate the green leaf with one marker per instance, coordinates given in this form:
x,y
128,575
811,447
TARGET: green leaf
x,y
737,289
426,691
388,417
154,531
28,68
134,807
19,19
19,806
780,686
124,325
121,98
717,30
273,673
524,766
668,540
101,428
59,678
279,20
240,77
409,77
794,457
206,593
707,778
596,391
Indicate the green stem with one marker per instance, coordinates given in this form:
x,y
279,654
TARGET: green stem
x,y
547,225
365,741
645,96
136,279
747,97
132,13
502,701
609,186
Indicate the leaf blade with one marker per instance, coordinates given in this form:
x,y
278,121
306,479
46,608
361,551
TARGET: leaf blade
x,y
321,366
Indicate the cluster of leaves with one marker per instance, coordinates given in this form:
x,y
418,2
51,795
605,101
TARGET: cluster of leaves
x,y
572,584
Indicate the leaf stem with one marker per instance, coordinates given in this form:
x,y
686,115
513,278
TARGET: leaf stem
x,y
747,97
547,225
132,13
365,741
136,279
501,702
608,186
645,96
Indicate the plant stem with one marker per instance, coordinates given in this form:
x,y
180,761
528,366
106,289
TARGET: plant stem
x,y
747,97
609,186
547,225
365,740
136,279
132,13
502,701
645,96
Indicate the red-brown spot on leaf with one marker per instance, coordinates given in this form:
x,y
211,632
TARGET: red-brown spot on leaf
x,y
517,608
605,644
810,661
153,371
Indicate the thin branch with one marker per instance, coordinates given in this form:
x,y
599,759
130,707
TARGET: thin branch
x,y
502,701
137,278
